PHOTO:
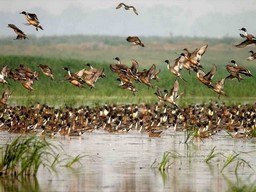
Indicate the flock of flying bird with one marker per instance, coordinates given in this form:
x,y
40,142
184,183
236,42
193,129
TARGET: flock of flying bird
x,y
127,75
151,118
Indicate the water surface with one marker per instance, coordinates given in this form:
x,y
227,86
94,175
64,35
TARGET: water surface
x,y
122,162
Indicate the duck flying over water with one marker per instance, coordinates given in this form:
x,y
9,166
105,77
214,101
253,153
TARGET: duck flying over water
x,y
135,40
249,39
252,56
173,94
127,7
20,34
32,19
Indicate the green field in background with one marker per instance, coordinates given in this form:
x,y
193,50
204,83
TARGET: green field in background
x,y
76,51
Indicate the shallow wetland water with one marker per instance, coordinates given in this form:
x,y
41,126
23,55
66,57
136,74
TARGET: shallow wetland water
x,y
122,162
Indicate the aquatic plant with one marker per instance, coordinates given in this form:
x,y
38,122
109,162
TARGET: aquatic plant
x,y
229,159
165,161
25,154
190,135
73,160
252,132
234,157
212,155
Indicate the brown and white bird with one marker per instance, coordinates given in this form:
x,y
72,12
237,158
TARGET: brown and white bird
x,y
175,68
236,71
20,34
127,7
3,75
5,96
249,39
218,87
193,59
135,40
28,84
173,94
252,56
206,79
32,19
46,70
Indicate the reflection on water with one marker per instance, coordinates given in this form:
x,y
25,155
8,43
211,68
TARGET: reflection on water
x,y
122,162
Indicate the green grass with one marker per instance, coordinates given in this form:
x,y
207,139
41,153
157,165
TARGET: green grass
x,y
60,52
24,155
164,164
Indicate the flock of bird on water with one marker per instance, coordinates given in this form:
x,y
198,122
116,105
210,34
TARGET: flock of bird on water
x,y
153,119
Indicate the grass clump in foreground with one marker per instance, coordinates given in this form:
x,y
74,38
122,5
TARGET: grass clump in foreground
x,y
229,159
25,154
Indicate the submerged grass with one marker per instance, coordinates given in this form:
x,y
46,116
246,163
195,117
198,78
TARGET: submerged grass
x,y
26,154
228,160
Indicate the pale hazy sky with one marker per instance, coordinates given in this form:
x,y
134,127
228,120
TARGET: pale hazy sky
x,y
196,6
184,17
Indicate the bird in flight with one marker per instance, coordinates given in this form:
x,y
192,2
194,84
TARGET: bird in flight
x,y
127,7
249,39
20,34
135,40
32,19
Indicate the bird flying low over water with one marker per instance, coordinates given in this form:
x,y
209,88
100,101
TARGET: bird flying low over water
x,y
171,96
135,40
20,34
127,7
32,20
249,39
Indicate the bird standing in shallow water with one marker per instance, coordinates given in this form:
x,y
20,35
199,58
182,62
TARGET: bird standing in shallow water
x,y
127,7
32,20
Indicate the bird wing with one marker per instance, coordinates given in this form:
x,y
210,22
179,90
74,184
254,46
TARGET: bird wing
x,y
174,91
211,73
33,16
134,10
200,52
134,67
151,71
13,26
245,43
220,84
16,29
120,5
